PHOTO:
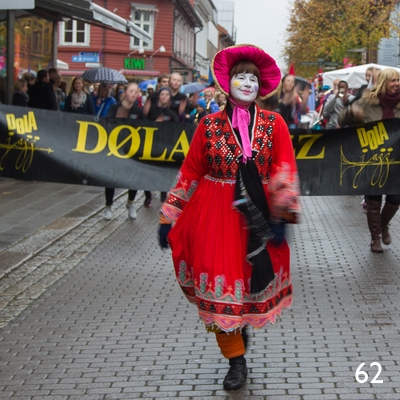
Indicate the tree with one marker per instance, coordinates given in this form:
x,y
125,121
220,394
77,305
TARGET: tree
x,y
327,29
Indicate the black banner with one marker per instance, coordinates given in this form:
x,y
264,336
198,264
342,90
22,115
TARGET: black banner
x,y
80,149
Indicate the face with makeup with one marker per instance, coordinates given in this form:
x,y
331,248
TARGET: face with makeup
x,y
243,88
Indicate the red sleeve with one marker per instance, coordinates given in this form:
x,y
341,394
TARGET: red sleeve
x,y
193,169
283,187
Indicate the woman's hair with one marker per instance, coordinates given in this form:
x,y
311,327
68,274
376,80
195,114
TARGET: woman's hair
x,y
72,88
130,84
19,84
270,104
293,94
384,76
28,76
116,90
245,66
104,85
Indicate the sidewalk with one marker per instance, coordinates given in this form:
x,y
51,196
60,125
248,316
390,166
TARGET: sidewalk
x,y
98,315
35,214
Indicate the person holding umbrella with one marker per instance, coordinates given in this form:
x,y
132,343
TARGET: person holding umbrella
x,y
79,99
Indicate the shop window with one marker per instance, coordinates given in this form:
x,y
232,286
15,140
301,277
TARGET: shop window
x,y
144,18
74,33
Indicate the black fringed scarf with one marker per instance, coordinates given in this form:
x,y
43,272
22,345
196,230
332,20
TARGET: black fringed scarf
x,y
251,201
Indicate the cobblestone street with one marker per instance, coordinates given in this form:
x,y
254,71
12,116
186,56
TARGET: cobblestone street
x,y
97,314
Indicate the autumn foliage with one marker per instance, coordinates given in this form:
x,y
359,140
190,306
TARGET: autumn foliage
x,y
327,29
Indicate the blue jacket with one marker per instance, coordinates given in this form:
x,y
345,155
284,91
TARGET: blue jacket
x,y
104,105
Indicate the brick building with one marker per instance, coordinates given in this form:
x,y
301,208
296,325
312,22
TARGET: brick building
x,y
171,23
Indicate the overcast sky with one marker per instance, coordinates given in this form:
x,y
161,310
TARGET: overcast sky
x,y
263,23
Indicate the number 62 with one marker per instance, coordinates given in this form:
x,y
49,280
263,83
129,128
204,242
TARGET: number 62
x,y
359,373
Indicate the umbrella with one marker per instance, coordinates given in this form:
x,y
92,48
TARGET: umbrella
x,y
103,75
302,82
143,85
193,87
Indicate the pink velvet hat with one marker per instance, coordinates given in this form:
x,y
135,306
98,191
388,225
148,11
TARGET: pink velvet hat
x,y
224,60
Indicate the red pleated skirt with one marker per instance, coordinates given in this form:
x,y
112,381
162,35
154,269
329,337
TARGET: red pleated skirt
x,y
209,243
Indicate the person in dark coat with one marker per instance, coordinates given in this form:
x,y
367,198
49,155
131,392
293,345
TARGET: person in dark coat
x,y
200,112
20,96
79,99
126,109
42,94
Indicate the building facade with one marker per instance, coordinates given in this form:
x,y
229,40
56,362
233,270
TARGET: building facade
x,y
171,23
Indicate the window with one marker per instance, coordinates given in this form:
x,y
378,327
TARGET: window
x,y
74,33
143,17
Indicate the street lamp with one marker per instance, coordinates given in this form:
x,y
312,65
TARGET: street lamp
x,y
141,51
161,49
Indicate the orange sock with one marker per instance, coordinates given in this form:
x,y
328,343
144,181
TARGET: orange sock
x,y
231,345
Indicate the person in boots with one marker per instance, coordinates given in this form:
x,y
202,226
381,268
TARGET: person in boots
x,y
236,189
382,102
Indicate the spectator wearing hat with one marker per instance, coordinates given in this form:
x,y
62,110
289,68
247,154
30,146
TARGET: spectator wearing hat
x,y
201,112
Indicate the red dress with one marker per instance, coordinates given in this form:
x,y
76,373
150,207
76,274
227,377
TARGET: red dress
x,y
209,238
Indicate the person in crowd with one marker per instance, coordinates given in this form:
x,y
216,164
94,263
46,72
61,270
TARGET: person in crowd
x,y
336,103
41,94
20,93
200,113
53,73
150,89
220,99
119,92
96,89
79,99
126,109
30,78
103,101
60,95
161,112
63,87
382,102
162,81
368,76
227,204
212,106
271,103
178,99
290,104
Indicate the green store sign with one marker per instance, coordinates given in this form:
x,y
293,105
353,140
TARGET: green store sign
x,y
134,63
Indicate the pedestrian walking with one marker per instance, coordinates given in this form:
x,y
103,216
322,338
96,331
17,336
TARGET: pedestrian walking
x,y
103,101
237,186
382,102
126,109
79,99
20,95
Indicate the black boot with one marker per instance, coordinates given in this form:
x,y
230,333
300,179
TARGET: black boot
x,y
237,373
245,336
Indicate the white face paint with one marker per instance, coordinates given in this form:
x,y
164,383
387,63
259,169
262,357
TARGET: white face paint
x,y
244,88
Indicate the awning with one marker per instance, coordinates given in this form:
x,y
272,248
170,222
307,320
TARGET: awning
x,y
91,13
70,73
62,65
144,7
139,73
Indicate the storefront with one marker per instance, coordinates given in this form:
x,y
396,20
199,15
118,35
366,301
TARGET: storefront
x,y
29,37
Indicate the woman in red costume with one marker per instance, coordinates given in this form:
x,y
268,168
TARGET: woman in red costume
x,y
236,189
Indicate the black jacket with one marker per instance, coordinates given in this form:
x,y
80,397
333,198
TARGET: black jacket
x,y
86,108
42,96
19,100
134,113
